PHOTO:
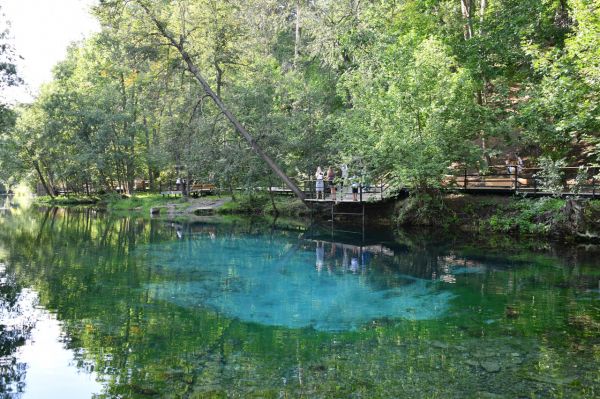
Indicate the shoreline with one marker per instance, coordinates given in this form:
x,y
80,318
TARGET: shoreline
x,y
562,220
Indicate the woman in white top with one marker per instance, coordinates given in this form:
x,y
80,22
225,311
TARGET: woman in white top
x,y
320,186
344,169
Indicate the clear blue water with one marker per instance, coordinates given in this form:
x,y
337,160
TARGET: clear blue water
x,y
289,283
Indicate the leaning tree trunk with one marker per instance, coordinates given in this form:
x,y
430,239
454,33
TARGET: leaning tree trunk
x,y
49,189
217,100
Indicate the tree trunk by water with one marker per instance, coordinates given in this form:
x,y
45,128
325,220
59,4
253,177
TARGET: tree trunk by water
x,y
238,127
275,211
49,189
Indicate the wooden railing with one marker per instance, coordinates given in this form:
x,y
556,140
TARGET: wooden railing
x,y
380,185
527,180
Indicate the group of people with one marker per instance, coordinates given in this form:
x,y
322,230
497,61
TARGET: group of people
x,y
514,163
333,182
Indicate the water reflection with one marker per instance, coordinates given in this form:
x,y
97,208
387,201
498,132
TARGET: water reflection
x,y
33,353
17,319
243,308
53,371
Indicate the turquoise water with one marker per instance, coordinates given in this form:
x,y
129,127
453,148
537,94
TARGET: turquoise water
x,y
111,307
289,283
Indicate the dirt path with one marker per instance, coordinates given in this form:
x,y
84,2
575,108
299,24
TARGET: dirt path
x,y
204,205
194,206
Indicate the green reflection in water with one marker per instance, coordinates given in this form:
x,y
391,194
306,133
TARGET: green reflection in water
x,y
514,325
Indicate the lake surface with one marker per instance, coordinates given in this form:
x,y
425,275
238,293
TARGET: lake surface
x,y
93,305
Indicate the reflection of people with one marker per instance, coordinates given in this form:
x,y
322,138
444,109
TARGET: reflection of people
x,y
319,186
354,261
178,230
365,255
320,252
345,259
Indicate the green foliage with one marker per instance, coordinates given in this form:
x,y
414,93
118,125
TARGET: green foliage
x,y
8,56
581,179
528,216
550,176
60,200
250,204
405,89
563,100
427,209
419,116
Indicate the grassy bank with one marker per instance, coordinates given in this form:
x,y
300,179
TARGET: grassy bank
x,y
113,202
263,205
62,200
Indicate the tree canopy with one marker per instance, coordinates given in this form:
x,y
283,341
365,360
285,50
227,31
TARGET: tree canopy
x,y
406,88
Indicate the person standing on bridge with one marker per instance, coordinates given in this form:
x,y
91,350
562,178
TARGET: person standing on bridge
x,y
344,169
354,183
331,181
320,185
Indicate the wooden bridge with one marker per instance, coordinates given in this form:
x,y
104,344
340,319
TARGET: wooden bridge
x,y
575,181
500,180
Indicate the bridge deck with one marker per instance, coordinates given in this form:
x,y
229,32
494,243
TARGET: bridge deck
x,y
347,198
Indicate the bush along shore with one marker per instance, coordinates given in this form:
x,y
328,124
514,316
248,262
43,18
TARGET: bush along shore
x,y
570,219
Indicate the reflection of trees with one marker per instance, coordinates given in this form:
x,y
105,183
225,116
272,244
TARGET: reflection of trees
x,y
86,268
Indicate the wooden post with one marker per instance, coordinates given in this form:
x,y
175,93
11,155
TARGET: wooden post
x,y
594,187
363,218
516,178
465,181
360,188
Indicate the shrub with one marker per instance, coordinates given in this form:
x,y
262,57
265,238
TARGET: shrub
x,y
551,176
